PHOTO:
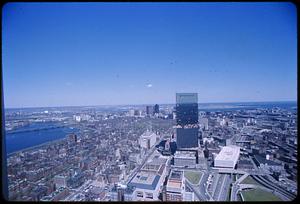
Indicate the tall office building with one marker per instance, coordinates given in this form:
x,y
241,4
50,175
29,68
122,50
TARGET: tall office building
x,y
187,120
149,110
156,109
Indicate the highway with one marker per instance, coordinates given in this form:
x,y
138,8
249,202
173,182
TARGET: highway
x,y
224,188
269,186
234,192
203,186
220,191
195,190
215,179
274,187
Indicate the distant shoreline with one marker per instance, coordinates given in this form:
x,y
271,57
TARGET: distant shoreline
x,y
116,105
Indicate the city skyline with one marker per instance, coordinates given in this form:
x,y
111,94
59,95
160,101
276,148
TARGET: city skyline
x,y
89,54
146,104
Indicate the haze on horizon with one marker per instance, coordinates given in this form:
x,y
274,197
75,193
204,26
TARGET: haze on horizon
x,y
86,54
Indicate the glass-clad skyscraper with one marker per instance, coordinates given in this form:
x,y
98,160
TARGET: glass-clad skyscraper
x,y
187,120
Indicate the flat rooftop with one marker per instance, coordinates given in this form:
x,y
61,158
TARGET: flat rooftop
x,y
145,180
186,98
175,179
157,160
185,154
151,167
148,134
228,153
174,184
176,175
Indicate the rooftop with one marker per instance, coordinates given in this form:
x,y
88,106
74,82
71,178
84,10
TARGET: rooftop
x,y
228,153
151,167
175,179
145,180
263,160
174,184
185,154
176,175
148,134
128,190
186,98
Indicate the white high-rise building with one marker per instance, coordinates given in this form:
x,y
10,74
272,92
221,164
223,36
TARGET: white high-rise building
x,y
147,139
118,154
131,112
77,118
204,123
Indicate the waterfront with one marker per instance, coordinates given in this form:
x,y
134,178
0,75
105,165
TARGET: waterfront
x,y
26,138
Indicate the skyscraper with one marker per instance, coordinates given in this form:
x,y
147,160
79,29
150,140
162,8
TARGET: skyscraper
x,y
187,120
156,109
149,110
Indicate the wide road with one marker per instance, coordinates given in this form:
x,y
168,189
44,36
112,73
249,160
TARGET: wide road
x,y
224,188
150,152
77,191
195,190
274,187
202,186
217,192
132,174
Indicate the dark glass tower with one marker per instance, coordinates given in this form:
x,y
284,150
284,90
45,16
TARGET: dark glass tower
x,y
149,110
156,109
187,120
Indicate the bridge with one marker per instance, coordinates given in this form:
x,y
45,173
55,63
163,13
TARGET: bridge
x,y
236,171
36,129
243,141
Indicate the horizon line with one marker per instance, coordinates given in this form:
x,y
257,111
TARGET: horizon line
x,y
70,106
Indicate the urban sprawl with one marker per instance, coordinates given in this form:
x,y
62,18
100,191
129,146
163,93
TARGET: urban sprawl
x,y
158,153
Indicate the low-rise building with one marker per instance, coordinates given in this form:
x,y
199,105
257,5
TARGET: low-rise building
x,y
148,181
59,194
176,189
60,181
264,163
185,158
175,186
122,193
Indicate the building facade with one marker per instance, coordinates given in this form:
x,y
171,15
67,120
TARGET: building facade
x,y
185,158
175,187
227,157
147,139
149,180
156,109
187,120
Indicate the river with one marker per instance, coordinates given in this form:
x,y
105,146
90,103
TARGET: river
x,y
25,138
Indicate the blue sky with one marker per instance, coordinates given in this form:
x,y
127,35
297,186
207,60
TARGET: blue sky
x,y
64,54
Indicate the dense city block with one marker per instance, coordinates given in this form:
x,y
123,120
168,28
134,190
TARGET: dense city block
x,y
131,153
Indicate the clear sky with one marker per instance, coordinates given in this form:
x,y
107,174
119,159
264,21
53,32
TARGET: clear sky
x,y
64,54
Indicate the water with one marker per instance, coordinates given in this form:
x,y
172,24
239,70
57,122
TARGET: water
x,y
246,106
16,141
